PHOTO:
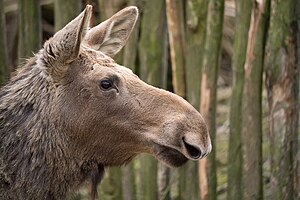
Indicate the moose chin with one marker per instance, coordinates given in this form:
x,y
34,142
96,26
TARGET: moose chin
x,y
71,111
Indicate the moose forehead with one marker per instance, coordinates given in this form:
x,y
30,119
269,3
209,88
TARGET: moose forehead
x,y
97,59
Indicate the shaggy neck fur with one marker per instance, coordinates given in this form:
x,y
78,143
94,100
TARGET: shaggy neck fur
x,y
35,161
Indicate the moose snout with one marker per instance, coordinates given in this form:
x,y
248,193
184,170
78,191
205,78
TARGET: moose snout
x,y
188,134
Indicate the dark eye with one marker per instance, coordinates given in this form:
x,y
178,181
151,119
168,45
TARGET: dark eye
x,y
106,84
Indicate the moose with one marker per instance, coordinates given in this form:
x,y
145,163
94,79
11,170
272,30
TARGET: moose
x,y
72,111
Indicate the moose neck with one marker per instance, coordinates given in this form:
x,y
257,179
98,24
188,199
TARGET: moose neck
x,y
45,165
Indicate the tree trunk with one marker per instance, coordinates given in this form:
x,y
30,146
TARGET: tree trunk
x,y
211,60
127,182
111,186
175,22
137,166
131,48
30,32
298,38
252,111
163,181
195,25
189,181
146,177
282,81
196,13
175,185
3,47
65,11
109,8
235,155
176,39
152,45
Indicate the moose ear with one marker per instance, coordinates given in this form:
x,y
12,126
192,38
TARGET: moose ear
x,y
64,46
111,35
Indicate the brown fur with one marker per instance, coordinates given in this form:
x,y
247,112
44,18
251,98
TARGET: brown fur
x,y
59,128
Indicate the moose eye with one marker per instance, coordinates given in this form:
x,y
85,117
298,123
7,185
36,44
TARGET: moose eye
x,y
106,84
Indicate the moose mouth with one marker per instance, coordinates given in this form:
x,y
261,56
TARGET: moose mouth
x,y
170,156
177,156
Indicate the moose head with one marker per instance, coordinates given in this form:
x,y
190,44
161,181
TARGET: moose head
x,y
110,113
72,104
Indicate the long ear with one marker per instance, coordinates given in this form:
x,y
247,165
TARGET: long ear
x,y
111,35
64,46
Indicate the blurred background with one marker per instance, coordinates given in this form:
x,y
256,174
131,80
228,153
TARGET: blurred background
x,y
237,62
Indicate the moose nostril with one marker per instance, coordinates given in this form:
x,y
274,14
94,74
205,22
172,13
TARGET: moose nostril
x,y
193,151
